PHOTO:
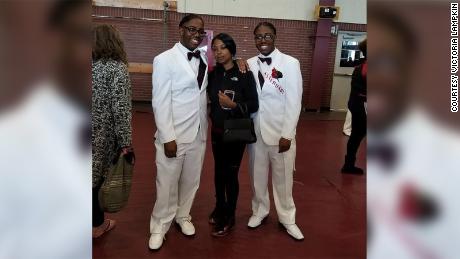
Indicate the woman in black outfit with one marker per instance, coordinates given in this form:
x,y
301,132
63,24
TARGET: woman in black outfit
x,y
232,95
356,105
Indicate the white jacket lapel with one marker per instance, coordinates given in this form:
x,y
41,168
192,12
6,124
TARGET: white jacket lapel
x,y
205,78
259,69
277,61
182,61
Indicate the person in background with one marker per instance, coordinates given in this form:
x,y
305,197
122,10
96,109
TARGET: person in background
x,y
111,112
356,105
279,88
233,94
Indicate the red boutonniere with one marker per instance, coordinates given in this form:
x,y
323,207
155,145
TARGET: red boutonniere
x,y
276,74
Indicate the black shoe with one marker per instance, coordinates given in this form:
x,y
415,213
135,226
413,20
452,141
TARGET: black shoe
x,y
352,170
219,231
221,228
212,217
231,221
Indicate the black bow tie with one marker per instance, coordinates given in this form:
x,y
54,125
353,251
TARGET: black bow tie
x,y
383,152
195,54
267,60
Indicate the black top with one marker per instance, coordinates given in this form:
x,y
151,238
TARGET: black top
x,y
358,86
244,86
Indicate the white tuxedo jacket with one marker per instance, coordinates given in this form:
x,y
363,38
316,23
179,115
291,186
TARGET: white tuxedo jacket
x,y
178,103
280,100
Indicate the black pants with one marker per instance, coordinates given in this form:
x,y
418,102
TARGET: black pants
x,y
98,213
358,131
227,160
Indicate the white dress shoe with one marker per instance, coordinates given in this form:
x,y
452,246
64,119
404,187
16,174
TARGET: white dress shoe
x,y
255,221
186,226
294,231
156,240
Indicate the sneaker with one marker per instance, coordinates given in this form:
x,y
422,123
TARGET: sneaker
x,y
156,241
293,231
255,221
186,226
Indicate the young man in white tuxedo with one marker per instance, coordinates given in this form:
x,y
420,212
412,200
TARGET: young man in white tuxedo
x,y
179,103
279,87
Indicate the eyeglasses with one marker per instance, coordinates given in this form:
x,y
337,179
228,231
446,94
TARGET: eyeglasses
x,y
267,37
193,31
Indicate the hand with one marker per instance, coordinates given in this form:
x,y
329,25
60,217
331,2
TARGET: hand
x,y
243,65
170,149
225,101
125,150
284,145
128,153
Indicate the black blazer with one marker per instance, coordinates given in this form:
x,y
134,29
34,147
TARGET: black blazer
x,y
244,86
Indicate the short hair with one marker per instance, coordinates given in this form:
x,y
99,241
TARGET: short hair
x,y
382,15
107,44
188,18
227,40
61,9
363,47
267,24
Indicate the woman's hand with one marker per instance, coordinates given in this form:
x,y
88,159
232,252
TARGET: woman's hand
x,y
225,101
126,150
128,153
243,65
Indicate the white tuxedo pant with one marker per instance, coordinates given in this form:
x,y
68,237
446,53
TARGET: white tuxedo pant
x,y
177,182
261,158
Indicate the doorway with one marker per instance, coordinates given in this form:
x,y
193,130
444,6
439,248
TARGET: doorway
x,y
346,58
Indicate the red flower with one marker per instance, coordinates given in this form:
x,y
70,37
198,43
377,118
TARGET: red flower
x,y
416,205
276,74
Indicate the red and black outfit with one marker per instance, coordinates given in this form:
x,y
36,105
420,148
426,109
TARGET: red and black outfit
x,y
356,102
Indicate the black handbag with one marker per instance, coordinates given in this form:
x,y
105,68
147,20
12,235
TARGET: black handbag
x,y
239,129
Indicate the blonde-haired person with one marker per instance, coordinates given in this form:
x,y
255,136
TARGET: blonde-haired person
x,y
111,112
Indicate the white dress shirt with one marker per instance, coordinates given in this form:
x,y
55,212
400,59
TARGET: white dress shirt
x,y
194,62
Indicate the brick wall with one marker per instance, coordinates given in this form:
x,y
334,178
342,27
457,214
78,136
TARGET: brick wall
x,y
146,39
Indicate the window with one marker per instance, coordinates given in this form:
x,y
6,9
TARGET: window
x,y
350,54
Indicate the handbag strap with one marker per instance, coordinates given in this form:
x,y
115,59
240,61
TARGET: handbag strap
x,y
243,108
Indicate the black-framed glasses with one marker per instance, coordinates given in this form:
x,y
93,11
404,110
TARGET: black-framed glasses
x,y
193,31
267,37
